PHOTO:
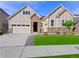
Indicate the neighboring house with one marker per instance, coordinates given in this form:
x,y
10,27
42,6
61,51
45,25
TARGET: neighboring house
x,y
3,21
26,20
76,21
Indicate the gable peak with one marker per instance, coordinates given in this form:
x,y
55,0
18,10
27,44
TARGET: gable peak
x,y
61,5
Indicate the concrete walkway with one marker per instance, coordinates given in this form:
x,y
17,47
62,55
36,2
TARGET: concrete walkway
x,y
34,51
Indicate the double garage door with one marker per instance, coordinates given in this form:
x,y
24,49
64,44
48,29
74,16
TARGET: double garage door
x,y
21,29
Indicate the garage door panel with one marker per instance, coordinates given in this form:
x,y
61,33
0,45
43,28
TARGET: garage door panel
x,y
21,29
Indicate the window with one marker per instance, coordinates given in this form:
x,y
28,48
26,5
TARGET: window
x,y
23,25
18,25
26,12
52,22
27,25
41,25
13,25
62,22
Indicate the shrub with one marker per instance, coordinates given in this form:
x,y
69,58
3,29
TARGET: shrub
x,y
58,32
45,33
1,33
68,24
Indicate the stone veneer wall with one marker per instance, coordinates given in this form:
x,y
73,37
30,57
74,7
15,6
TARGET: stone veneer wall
x,y
58,29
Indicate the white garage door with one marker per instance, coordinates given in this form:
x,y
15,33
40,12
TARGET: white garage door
x,y
21,29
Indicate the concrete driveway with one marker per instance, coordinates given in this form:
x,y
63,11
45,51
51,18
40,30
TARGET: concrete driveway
x,y
14,39
13,46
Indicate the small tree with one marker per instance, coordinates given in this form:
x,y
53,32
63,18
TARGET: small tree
x,y
68,24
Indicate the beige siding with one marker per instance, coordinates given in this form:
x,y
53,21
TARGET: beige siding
x,y
52,17
65,16
22,19
45,24
57,21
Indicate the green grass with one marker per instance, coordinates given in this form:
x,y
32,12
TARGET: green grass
x,y
61,56
56,39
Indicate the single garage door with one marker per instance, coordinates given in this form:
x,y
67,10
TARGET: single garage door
x,y
21,29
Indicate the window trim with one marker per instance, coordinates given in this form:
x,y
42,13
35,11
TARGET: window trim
x,y
26,12
23,25
27,25
52,24
63,22
18,25
13,24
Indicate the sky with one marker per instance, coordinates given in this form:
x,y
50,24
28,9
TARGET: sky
x,y
41,7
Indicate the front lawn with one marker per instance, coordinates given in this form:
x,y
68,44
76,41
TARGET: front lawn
x,y
56,39
61,56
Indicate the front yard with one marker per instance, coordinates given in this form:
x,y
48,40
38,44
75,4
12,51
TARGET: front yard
x,y
56,39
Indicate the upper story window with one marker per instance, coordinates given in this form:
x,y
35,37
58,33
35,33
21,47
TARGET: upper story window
x,y
52,22
26,12
62,22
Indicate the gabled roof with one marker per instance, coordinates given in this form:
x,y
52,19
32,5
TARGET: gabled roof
x,y
59,14
42,17
55,10
21,10
33,15
64,11
76,20
69,12
4,12
76,14
17,12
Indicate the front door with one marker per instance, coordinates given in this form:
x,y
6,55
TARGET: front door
x,y
35,26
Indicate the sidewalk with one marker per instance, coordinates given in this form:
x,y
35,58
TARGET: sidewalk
x,y
35,51
50,50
